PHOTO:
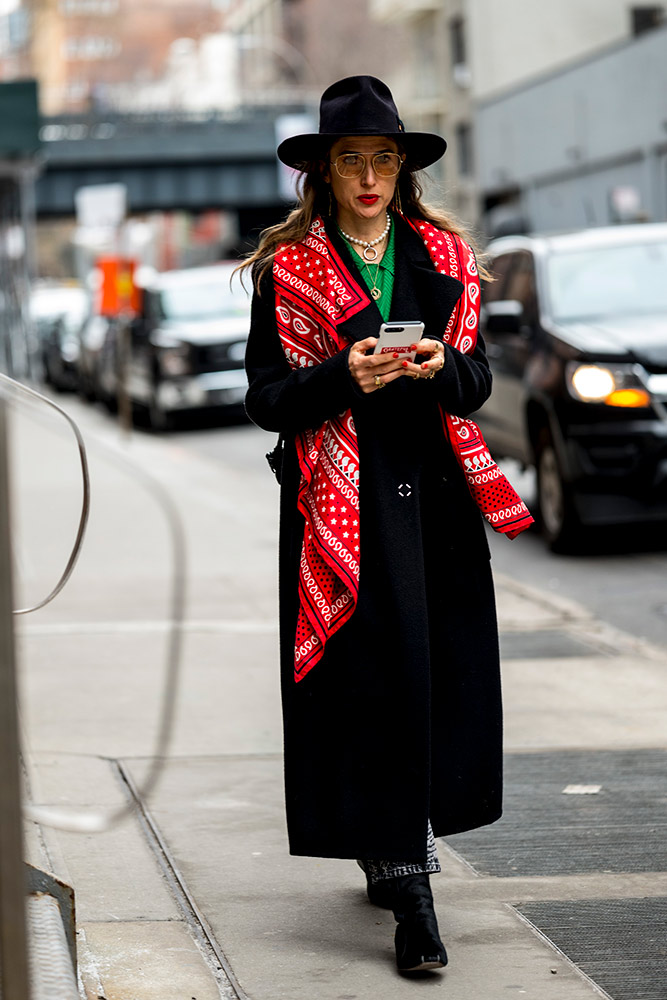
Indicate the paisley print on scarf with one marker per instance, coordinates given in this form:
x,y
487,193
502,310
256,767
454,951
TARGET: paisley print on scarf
x,y
314,292
502,507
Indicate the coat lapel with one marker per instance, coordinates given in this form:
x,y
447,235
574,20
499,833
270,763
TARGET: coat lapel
x,y
419,291
365,323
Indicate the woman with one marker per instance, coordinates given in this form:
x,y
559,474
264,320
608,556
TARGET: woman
x,y
389,655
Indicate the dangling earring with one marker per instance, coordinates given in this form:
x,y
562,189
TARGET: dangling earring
x,y
330,204
396,201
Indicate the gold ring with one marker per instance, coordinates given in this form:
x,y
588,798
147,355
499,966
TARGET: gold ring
x,y
379,384
431,374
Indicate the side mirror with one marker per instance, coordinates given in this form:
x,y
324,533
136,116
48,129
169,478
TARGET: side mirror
x,y
504,316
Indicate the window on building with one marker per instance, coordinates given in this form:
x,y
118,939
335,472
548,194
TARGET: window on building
x,y
645,18
76,7
457,41
90,47
14,30
464,149
458,57
426,77
4,35
76,90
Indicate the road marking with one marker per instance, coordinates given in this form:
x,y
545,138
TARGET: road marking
x,y
212,626
581,789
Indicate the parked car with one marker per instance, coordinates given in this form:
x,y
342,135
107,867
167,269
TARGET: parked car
x,y
576,333
95,336
187,347
58,311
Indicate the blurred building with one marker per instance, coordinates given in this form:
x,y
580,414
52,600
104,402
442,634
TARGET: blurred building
x,y
15,61
98,54
462,54
96,61
157,54
582,146
291,50
18,147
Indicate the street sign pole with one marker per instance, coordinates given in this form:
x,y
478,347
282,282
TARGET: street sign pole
x,y
14,982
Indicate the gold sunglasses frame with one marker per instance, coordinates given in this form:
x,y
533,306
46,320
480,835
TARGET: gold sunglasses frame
x,y
366,158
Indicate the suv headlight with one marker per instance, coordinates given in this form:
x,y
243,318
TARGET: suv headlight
x,y
613,385
175,361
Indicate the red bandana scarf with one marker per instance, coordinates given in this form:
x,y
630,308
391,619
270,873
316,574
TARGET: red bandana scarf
x,y
315,292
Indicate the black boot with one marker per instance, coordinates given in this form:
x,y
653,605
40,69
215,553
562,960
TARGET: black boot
x,y
382,893
418,944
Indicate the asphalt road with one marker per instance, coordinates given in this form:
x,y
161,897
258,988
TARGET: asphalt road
x,y
620,574
621,578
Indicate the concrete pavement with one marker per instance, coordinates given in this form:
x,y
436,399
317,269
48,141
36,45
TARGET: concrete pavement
x,y
197,896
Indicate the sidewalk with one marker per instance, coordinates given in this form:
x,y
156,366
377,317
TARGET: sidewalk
x,y
198,897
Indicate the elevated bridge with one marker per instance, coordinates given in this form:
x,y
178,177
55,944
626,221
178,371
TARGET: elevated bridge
x,y
166,161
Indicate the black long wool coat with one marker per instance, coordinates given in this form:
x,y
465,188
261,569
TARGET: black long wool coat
x,y
400,721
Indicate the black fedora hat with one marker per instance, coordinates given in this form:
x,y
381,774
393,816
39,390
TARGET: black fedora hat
x,y
360,105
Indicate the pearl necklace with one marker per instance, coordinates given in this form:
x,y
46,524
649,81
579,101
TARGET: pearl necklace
x,y
369,252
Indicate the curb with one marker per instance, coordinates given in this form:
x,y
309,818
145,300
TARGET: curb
x,y
578,620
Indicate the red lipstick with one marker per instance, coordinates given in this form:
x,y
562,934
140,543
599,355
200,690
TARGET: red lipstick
x,y
368,199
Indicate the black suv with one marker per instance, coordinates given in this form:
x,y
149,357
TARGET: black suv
x,y
187,347
576,333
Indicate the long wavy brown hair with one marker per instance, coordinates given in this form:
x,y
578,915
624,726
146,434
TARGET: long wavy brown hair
x,y
315,198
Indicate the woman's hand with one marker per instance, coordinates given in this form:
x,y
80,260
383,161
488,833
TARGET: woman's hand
x,y
373,371
434,352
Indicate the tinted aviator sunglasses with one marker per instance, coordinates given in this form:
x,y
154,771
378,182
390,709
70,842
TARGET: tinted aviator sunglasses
x,y
354,164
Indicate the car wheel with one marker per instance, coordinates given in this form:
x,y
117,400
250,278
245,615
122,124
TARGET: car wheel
x,y
559,522
51,376
85,387
160,420
110,403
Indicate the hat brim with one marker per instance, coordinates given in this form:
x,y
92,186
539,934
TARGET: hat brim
x,y
421,148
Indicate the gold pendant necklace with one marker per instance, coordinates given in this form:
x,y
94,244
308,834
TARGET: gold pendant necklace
x,y
375,291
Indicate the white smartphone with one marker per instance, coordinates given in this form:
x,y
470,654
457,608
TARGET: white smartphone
x,y
396,338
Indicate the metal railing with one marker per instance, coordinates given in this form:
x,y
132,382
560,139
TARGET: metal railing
x,y
14,984
14,967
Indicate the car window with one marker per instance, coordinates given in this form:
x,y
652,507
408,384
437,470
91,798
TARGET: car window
x,y
69,305
520,284
203,300
608,281
492,291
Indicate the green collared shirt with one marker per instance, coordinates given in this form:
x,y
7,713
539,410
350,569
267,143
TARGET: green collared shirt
x,y
385,274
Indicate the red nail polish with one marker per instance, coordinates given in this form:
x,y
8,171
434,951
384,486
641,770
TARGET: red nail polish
x,y
424,365
395,354
413,347
405,364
